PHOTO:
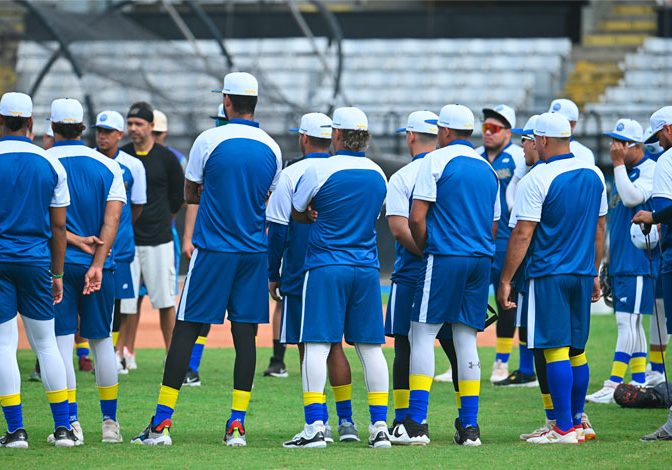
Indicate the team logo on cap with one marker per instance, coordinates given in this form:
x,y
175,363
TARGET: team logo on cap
x,y
620,126
556,107
499,108
103,118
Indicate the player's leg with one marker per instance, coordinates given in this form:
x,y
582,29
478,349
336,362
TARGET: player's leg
x,y
83,349
276,366
540,366
130,314
644,306
193,378
340,378
658,339
10,384
506,327
445,337
160,278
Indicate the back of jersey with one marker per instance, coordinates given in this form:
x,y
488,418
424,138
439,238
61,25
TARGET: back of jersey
x,y
238,165
30,183
93,180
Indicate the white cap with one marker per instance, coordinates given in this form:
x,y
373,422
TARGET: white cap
x,y
653,147
566,107
16,105
455,116
49,131
315,125
239,83
628,130
552,125
659,119
67,111
529,126
639,240
351,119
501,111
160,122
110,120
221,114
417,122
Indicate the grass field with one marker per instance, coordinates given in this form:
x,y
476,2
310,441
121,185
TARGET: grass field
x,y
276,414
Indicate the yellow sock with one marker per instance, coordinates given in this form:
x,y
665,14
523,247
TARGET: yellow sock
x,y
241,400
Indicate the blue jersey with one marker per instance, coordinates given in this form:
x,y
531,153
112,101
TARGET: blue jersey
x,y
624,258
279,211
347,190
31,181
565,196
238,165
93,179
135,184
464,190
662,198
407,267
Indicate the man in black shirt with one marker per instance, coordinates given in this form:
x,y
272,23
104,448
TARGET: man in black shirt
x,y
154,262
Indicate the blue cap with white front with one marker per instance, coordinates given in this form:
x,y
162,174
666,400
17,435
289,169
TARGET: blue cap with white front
x,y
418,121
627,130
529,127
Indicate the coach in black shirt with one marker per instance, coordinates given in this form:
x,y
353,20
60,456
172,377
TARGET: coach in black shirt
x,y
154,262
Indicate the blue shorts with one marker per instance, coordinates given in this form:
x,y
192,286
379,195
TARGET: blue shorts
x,y
225,284
95,310
454,289
27,289
399,308
290,321
667,299
123,281
521,310
563,316
342,301
633,294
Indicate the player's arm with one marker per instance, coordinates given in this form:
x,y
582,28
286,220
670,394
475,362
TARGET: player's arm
x,y
136,210
599,254
192,192
86,244
189,223
519,242
277,237
401,231
57,245
417,222
108,232
302,198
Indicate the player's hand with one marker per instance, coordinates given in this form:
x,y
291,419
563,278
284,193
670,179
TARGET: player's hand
x,y
57,289
187,248
617,152
89,244
311,215
504,296
93,280
274,290
597,291
643,217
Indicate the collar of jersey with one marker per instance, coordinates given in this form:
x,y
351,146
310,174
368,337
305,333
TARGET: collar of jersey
x,y
115,155
644,158
245,122
16,137
461,142
501,152
351,153
68,142
317,155
419,156
562,156
537,163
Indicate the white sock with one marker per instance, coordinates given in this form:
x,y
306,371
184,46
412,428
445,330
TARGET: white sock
x,y
421,338
376,375
42,339
658,330
468,363
314,367
10,378
65,345
106,361
625,341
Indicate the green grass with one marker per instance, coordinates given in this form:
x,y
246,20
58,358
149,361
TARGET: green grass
x,y
276,414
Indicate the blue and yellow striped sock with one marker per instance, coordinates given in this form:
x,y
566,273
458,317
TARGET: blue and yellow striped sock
x,y
418,400
656,358
197,353
559,371
325,410
503,349
11,408
343,399
108,401
378,406
470,391
638,367
619,366
548,406
580,380
239,405
73,412
526,359
165,405
312,406
401,398
58,402
82,349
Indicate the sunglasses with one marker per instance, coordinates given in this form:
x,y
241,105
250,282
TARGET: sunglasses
x,y
492,128
626,143
526,137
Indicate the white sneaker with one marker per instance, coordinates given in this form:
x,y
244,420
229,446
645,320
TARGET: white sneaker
x,y
76,430
121,364
500,371
111,432
550,423
654,378
447,376
637,384
553,437
605,394
588,431
130,359
379,436
312,437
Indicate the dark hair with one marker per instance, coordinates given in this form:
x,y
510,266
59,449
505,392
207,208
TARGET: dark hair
x,y
318,142
243,104
355,140
69,131
463,133
425,138
15,123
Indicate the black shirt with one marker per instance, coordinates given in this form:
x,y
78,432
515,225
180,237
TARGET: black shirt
x,y
165,195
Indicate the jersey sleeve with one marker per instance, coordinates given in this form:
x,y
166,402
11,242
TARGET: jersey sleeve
x,y
428,175
278,159
61,196
139,188
645,184
279,208
604,203
197,158
521,166
306,190
398,196
498,206
117,191
529,199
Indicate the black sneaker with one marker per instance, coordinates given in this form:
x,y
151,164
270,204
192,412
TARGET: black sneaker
x,y
658,435
418,434
192,379
518,379
64,437
469,436
15,440
276,369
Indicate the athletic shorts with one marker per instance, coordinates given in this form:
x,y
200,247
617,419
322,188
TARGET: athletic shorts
x,y
667,299
633,294
95,310
27,289
342,301
453,289
290,320
219,285
659,286
123,281
558,311
154,266
521,310
399,308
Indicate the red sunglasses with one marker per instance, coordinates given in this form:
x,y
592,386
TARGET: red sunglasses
x,y
493,128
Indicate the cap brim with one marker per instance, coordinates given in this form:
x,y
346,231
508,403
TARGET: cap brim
x,y
400,130
432,121
653,138
520,131
487,112
614,135
217,91
295,130
109,128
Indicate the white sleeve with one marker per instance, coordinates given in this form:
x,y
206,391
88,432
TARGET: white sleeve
x,y
139,188
276,178
279,208
498,205
632,193
306,190
117,190
428,175
511,191
521,166
529,199
604,204
398,197
662,177
197,159
61,196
